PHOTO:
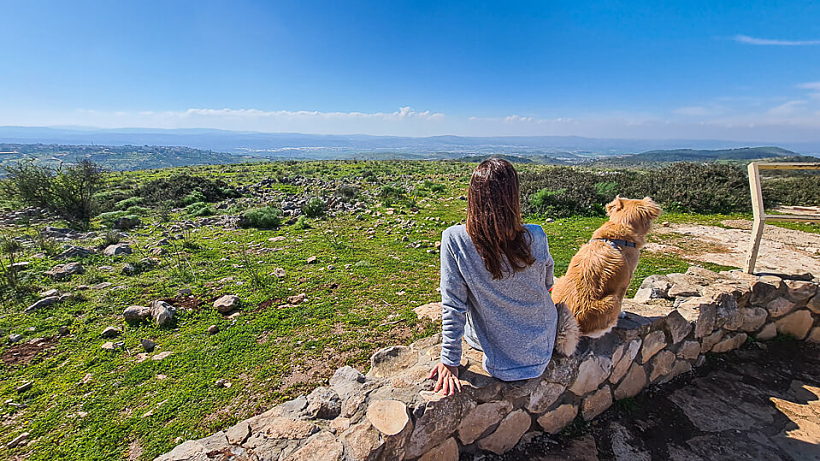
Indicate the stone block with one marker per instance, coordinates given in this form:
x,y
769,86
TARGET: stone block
x,y
652,344
509,432
447,451
814,302
709,342
676,326
683,289
753,318
431,311
814,336
593,371
632,384
765,289
661,365
799,291
322,446
557,419
543,397
622,359
440,420
689,350
596,403
363,442
702,311
729,343
481,418
796,324
391,360
768,332
780,306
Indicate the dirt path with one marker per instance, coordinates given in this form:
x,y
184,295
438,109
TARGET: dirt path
x,y
761,402
782,250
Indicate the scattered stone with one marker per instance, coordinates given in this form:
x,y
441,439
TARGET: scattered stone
x,y
14,337
279,272
796,324
596,403
780,307
101,286
133,314
148,345
227,303
62,330
127,222
110,332
24,387
213,329
18,441
64,271
652,344
633,382
324,403
108,345
447,451
162,312
45,302
75,252
481,418
129,269
223,383
117,250
555,420
48,293
297,299
508,433
312,260
184,292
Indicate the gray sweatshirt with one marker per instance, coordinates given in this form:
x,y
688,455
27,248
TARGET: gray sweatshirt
x,y
513,319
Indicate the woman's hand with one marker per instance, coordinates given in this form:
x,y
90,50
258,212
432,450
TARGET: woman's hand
x,y
447,378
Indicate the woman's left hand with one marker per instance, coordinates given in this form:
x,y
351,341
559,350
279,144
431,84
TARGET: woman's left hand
x,y
447,378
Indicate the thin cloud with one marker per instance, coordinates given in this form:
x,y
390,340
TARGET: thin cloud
x,y
810,86
766,41
401,114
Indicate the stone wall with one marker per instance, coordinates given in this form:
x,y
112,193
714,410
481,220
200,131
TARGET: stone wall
x,y
391,414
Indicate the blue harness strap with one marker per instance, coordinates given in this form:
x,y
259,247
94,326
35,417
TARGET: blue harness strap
x,y
617,243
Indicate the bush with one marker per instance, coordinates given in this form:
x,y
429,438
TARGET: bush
x,y
302,223
314,208
437,188
261,218
194,197
129,202
180,189
346,193
199,209
67,190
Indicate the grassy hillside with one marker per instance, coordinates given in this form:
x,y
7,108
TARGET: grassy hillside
x,y
692,155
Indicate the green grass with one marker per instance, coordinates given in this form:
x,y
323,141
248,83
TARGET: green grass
x,y
89,403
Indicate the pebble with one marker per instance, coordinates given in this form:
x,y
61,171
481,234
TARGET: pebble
x,y
110,332
18,441
13,338
148,345
63,330
213,329
223,383
312,259
24,387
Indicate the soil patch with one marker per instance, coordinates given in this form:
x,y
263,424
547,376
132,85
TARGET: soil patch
x,y
22,354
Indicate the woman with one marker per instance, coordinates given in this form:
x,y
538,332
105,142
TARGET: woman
x,y
495,276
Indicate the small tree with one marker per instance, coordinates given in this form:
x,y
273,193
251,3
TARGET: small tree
x,y
68,191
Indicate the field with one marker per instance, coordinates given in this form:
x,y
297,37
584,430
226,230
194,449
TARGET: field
x,y
375,260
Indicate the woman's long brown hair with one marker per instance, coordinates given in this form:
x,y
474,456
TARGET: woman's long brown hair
x,y
494,218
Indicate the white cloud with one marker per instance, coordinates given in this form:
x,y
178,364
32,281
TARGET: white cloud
x,y
810,86
402,114
788,108
694,111
766,41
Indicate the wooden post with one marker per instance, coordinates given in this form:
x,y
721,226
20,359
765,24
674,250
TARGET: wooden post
x,y
759,217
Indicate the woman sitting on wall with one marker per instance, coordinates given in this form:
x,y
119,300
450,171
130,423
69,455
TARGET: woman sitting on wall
x,y
496,274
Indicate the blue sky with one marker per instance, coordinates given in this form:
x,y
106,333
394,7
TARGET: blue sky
x,y
742,70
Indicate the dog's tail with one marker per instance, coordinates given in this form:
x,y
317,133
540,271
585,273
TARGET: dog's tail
x,y
568,334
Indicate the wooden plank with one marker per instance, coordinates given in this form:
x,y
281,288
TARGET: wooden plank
x,y
759,216
792,217
788,166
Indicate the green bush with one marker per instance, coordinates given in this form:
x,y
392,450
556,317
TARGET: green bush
x,y
314,208
261,218
138,210
302,223
199,209
180,187
129,202
437,188
194,197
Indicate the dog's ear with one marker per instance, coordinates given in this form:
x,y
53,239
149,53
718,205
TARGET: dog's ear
x,y
652,208
614,205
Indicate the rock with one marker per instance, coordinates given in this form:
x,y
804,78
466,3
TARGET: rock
x,y
45,302
658,282
279,272
324,403
780,307
689,350
765,289
339,425
753,318
633,382
64,271
799,291
129,269
646,294
508,433
213,329
51,292
117,250
24,387
18,441
591,373
389,417
733,320
661,365
110,332
346,380
768,332
75,252
297,299
101,286
289,428
707,343
227,303
684,290
238,433
652,343
703,312
541,398
109,346
680,367
431,311
555,420
390,360
133,314
321,447
13,338
596,403
439,421
676,326
814,336
730,343
622,359
447,451
148,345
162,312
481,418
796,324
63,330
312,260
363,441
127,222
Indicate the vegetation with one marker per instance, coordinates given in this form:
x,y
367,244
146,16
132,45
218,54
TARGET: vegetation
x,y
262,218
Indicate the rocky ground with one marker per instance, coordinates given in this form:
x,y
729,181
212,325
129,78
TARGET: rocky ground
x,y
760,402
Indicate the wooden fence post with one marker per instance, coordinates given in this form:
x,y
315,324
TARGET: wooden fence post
x,y
759,217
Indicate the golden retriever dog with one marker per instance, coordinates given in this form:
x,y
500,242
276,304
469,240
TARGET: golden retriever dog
x,y
599,274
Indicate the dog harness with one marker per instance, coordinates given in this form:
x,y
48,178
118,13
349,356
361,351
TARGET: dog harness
x,y
617,243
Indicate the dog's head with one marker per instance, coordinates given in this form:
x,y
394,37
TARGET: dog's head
x,y
638,214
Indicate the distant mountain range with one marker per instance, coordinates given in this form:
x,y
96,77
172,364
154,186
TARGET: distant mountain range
x,y
312,146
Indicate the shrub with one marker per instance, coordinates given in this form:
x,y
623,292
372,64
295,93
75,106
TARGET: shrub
x,y
302,223
184,186
67,190
262,218
314,208
194,197
346,193
129,202
199,209
437,188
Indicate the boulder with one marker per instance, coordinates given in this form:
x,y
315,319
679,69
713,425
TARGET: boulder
x,y
134,314
557,419
596,403
796,324
64,271
45,302
508,433
227,303
593,371
162,312
632,384
481,418
110,332
117,250
75,252
780,306
652,344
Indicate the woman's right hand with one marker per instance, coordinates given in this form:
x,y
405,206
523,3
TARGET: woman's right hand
x,y
447,378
